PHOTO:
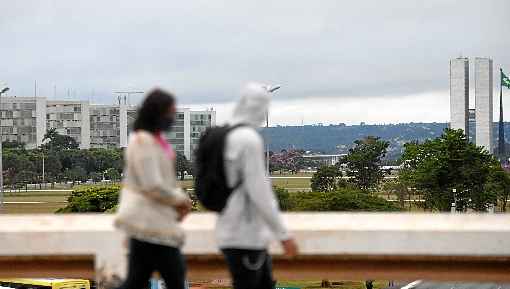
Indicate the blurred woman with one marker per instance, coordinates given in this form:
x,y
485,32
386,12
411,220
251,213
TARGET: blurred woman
x,y
151,204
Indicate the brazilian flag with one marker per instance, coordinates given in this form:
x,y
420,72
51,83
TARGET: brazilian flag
x,y
505,81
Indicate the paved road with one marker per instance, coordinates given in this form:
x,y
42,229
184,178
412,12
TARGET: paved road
x,y
450,285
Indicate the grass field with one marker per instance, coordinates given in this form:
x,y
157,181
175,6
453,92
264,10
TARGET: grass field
x,y
46,201
34,202
290,182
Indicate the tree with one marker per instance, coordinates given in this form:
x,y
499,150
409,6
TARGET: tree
x,y
449,169
324,180
498,184
58,142
100,160
52,164
112,174
13,145
75,174
18,167
364,162
182,165
398,188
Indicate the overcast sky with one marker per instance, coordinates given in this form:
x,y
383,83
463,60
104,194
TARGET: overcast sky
x,y
337,61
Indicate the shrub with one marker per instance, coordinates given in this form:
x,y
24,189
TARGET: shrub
x,y
284,198
92,199
341,200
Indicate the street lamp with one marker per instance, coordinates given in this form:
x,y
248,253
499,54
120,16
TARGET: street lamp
x,y
2,91
45,141
270,89
454,204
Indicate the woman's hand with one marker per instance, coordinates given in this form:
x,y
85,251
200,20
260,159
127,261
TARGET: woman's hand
x,y
183,209
290,248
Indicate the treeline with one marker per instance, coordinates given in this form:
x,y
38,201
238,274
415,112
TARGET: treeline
x,y
61,160
64,161
21,166
438,173
340,138
435,175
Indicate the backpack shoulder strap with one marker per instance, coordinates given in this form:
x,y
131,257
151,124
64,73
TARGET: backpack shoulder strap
x,y
241,178
231,128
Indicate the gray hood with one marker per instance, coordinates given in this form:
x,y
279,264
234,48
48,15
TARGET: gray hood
x,y
252,108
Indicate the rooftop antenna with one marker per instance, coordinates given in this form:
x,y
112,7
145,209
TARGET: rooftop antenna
x,y
127,94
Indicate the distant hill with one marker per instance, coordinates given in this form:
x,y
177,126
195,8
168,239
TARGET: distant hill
x,y
339,138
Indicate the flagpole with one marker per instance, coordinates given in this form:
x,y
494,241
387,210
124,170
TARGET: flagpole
x,y
501,140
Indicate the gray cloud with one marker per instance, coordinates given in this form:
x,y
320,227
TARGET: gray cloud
x,y
204,50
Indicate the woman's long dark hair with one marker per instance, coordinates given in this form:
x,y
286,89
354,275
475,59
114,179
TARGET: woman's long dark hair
x,y
153,110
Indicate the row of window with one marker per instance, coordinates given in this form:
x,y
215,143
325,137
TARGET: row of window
x,y
18,122
104,111
11,106
200,117
105,118
63,116
24,138
7,114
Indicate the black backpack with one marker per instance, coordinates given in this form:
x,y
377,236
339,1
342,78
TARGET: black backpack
x,y
211,186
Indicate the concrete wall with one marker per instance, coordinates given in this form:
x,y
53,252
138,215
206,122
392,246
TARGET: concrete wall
x,y
484,103
362,245
459,94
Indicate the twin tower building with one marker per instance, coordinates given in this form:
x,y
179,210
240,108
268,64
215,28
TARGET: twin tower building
x,y
461,117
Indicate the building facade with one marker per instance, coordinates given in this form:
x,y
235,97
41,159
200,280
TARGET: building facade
x,y
70,118
472,125
484,103
26,120
477,123
459,94
105,126
199,122
23,119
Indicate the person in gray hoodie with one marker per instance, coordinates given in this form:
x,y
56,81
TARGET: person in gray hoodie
x,y
251,218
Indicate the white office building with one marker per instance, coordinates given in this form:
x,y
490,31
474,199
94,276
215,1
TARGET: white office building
x,y
459,94
477,121
484,103
108,126
26,120
70,118
23,119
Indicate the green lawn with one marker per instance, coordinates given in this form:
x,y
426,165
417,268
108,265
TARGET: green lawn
x,y
286,174
49,202
52,200
290,183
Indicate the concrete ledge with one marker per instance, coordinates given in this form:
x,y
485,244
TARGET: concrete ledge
x,y
353,246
